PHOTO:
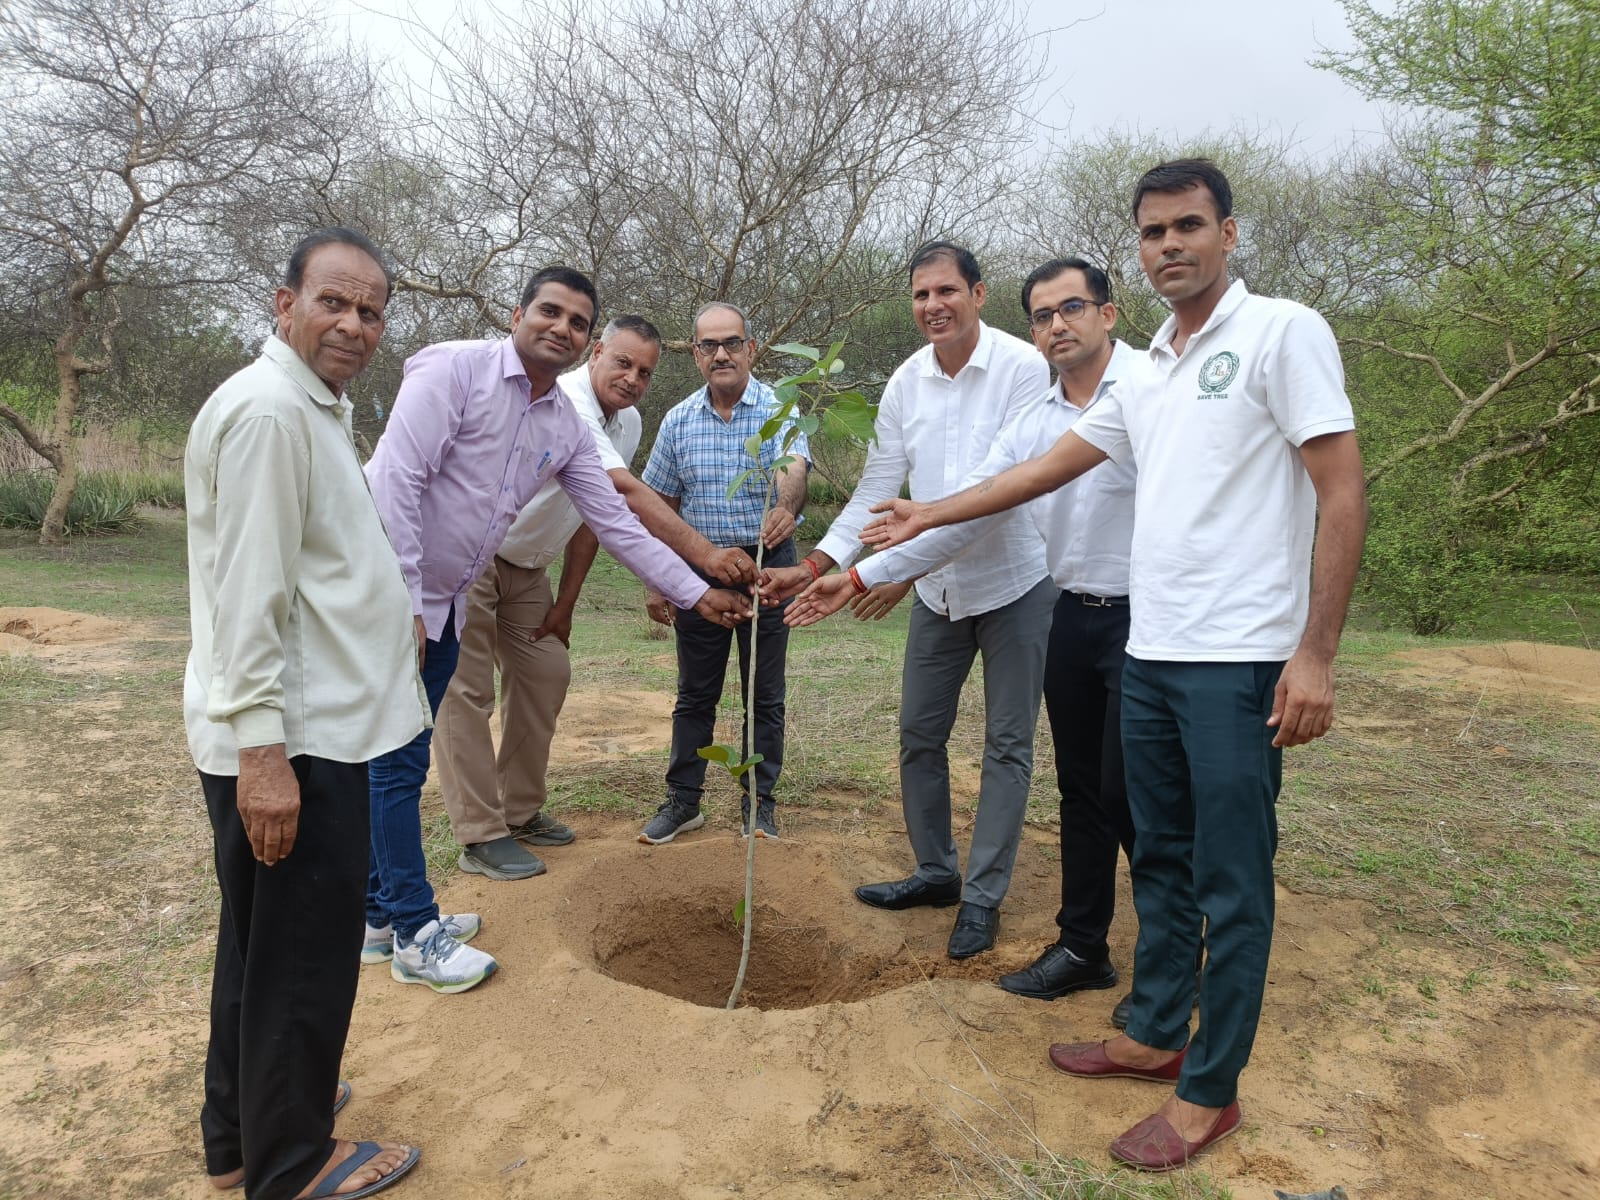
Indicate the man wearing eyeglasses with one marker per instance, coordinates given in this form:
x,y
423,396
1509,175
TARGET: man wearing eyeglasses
x,y
699,451
1248,459
1087,530
941,411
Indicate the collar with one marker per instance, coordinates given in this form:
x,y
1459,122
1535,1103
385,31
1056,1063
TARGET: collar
x,y
982,353
754,393
1236,295
1123,356
579,388
292,365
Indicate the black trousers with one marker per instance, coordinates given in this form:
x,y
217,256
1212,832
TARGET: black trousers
x,y
288,953
702,666
1083,695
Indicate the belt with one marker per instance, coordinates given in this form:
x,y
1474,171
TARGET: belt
x,y
1089,601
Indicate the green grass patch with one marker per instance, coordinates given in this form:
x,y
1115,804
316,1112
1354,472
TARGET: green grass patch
x,y
138,574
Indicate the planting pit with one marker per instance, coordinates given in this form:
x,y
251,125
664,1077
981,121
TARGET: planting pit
x,y
662,918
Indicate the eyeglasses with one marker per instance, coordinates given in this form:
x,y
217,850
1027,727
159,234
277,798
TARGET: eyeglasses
x,y
731,344
1070,310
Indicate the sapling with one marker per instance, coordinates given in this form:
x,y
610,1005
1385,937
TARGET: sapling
x,y
807,403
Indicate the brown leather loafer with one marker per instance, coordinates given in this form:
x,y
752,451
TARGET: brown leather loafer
x,y
1154,1145
1088,1060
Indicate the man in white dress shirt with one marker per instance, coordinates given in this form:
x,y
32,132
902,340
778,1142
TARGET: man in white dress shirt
x,y
496,801
941,411
1087,529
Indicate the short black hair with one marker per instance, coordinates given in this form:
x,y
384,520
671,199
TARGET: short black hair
x,y
965,262
294,274
1181,174
710,305
1099,282
631,323
567,277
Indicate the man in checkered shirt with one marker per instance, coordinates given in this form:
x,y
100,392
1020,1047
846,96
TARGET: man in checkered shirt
x,y
698,452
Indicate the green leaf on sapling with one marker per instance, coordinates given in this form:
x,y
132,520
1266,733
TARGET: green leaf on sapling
x,y
796,350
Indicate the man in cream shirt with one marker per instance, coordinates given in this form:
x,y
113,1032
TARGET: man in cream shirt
x,y
496,801
304,666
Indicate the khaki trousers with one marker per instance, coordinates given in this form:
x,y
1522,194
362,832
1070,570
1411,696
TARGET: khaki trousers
x,y
488,794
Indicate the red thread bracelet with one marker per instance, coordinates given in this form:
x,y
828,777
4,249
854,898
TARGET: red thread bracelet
x,y
816,571
855,582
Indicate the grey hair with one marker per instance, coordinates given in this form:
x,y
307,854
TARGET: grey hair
x,y
694,325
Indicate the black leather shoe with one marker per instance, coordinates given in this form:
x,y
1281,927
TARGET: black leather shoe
x,y
976,928
1124,1008
910,893
1056,972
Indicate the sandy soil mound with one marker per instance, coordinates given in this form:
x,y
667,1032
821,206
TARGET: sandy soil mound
x,y
1528,670
28,630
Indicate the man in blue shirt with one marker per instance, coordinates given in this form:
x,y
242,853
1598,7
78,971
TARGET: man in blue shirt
x,y
699,451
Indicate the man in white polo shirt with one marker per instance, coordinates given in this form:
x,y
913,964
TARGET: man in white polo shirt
x,y
940,413
496,801
1086,528
1241,434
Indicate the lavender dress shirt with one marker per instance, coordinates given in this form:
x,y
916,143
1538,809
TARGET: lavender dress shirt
x,y
465,447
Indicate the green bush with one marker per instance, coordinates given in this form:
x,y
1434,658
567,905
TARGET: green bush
x,y
1422,568
101,504
162,489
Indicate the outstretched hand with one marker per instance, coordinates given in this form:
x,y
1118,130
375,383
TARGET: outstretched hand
x,y
902,520
779,583
1302,705
876,604
822,599
722,607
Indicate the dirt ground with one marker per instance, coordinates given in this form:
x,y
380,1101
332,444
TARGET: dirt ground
x,y
598,1062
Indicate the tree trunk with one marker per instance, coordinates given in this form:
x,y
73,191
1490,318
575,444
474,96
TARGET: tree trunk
x,y
53,531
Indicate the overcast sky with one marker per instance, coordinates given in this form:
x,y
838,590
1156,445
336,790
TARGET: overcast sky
x,y
1184,66
1177,67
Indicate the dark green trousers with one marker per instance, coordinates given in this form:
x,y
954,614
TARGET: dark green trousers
x,y
1203,783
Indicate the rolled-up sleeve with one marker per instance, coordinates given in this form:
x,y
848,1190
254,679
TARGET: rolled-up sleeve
x,y
263,472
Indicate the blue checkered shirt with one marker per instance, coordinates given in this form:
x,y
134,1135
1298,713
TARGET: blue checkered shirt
x,y
697,455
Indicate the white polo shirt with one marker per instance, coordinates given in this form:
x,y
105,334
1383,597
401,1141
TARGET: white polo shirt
x,y
1225,512
1087,526
547,522
932,430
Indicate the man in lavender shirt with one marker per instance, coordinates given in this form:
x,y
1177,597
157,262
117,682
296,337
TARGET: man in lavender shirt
x,y
477,429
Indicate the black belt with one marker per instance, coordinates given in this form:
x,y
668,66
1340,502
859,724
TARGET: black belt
x,y
1089,601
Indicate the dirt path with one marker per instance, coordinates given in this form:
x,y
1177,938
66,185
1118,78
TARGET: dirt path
x,y
872,1067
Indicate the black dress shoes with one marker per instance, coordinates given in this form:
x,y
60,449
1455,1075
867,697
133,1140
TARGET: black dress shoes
x,y
977,926
1056,972
910,893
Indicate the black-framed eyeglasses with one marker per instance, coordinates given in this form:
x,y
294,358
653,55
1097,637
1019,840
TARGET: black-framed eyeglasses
x,y
732,345
1070,309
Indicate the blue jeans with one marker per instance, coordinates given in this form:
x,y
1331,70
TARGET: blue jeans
x,y
398,892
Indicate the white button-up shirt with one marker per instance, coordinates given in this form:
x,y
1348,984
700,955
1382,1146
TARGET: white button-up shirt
x,y
300,618
1087,526
932,430
547,522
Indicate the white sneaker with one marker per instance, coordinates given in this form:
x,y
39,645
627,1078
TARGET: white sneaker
x,y
379,944
435,958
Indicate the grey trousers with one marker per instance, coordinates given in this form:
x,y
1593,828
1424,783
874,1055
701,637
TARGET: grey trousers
x,y
939,654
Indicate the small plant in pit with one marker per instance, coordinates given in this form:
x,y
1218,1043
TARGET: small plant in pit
x,y
808,402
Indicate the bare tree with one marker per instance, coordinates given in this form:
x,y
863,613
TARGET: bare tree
x,y
784,156
149,143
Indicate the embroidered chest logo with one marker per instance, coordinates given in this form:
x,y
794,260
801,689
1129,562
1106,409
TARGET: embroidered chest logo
x,y
1218,371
